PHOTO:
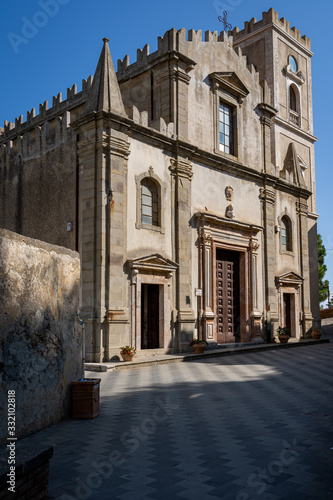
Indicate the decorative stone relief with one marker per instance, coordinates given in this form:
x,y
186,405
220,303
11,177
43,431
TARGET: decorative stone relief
x,y
229,193
230,212
254,246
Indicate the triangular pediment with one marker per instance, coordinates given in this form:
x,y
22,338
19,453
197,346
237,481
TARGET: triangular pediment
x,y
153,262
289,278
229,81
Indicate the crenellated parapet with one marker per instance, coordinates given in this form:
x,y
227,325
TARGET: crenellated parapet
x,y
59,112
180,42
37,140
167,129
269,18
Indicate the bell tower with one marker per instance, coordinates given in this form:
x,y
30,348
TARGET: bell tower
x,y
283,59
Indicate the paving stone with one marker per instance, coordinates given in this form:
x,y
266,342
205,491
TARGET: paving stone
x,y
222,428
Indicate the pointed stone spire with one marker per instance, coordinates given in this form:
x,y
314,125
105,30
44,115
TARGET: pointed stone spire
x,y
105,92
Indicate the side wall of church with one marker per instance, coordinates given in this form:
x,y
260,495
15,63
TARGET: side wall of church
x,y
38,193
39,172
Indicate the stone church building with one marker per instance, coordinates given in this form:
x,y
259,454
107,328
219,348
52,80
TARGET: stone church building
x,y
186,181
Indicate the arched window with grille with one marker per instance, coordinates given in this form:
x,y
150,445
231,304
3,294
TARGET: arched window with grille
x,y
286,234
294,105
293,101
149,202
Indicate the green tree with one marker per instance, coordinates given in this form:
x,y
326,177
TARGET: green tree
x,y
322,268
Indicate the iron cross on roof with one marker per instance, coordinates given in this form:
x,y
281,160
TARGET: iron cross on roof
x,y
225,21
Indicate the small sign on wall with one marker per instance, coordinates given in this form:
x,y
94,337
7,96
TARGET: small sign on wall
x,y
198,292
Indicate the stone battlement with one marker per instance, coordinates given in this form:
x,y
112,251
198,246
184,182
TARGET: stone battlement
x,y
58,110
269,17
179,41
172,40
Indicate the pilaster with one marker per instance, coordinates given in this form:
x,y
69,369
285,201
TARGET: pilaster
x,y
268,197
181,170
103,150
172,86
306,315
207,314
267,115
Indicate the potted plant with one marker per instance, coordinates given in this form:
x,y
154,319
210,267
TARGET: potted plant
x,y
127,353
316,332
198,345
284,334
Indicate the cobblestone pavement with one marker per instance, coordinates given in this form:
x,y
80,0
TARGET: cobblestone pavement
x,y
255,426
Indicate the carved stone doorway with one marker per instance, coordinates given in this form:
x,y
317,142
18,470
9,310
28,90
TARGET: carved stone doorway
x,y
152,277
227,296
287,309
150,325
289,285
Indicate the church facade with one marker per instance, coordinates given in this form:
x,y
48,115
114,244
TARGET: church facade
x,y
186,181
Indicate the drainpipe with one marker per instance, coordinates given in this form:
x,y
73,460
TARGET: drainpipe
x,y
83,345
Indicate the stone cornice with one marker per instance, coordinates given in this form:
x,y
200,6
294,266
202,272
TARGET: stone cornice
x,y
118,147
181,168
175,56
313,216
296,77
211,218
297,130
267,109
220,162
302,208
268,194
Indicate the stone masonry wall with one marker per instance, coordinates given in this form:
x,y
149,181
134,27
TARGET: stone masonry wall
x,y
40,338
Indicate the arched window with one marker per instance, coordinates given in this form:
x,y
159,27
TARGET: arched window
x,y
149,202
293,101
286,239
294,105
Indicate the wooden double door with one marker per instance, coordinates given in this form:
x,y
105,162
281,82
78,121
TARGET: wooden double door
x,y
227,296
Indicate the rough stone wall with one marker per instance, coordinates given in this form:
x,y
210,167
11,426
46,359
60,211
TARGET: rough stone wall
x,y
40,338
38,191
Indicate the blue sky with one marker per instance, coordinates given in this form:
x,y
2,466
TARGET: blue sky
x,y
48,45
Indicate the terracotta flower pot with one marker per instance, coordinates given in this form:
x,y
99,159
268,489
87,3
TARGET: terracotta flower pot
x,y
283,339
199,348
316,334
127,357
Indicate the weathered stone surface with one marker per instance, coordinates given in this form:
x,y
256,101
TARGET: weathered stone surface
x,y
41,340
192,118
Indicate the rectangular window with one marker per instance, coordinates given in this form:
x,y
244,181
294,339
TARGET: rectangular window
x,y
283,238
226,129
146,205
149,203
